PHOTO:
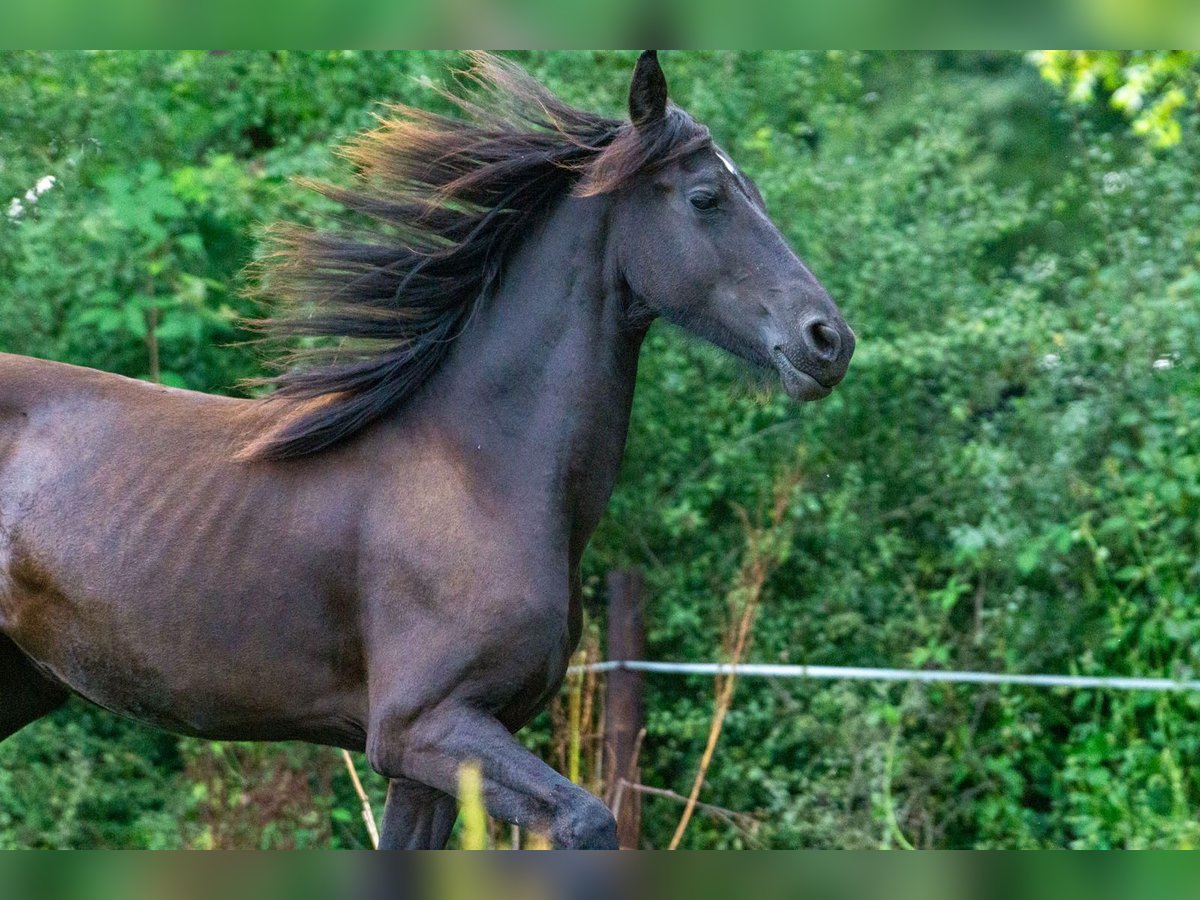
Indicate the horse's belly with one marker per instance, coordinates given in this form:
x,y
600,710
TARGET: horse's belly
x,y
251,687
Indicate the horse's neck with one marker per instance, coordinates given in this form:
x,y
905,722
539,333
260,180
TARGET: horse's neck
x,y
541,380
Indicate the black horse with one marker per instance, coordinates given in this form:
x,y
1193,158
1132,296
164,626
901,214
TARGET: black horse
x,y
384,555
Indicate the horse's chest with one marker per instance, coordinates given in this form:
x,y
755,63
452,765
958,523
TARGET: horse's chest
x,y
535,690
530,650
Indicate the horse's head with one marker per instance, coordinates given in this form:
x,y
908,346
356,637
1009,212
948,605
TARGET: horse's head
x,y
694,243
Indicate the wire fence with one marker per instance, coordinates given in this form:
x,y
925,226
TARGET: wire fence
x,y
858,673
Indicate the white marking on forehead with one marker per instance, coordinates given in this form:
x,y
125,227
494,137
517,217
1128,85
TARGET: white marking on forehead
x,y
725,160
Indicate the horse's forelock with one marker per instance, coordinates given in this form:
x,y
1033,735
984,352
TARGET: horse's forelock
x,y
636,151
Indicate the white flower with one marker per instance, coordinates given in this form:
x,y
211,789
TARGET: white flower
x,y
1164,362
43,184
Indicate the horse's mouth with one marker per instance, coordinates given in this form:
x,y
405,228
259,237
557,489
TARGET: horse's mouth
x,y
798,384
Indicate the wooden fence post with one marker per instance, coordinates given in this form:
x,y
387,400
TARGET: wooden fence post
x,y
623,707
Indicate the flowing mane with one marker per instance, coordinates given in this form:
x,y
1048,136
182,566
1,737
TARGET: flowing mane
x,y
449,198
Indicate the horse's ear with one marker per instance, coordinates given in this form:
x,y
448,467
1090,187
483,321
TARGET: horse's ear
x,y
648,90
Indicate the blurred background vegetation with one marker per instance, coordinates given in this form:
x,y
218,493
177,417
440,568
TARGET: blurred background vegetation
x,y
1008,480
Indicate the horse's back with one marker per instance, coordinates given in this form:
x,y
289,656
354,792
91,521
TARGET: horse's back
x,y
28,384
74,402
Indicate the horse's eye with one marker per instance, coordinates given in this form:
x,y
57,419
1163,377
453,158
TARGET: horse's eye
x,y
703,200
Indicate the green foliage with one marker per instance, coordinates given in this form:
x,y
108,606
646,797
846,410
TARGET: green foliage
x,y
83,778
1152,87
1008,479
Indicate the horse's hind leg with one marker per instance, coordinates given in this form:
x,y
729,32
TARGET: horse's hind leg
x,y
416,817
25,694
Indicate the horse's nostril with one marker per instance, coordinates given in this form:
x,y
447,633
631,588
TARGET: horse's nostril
x,y
824,340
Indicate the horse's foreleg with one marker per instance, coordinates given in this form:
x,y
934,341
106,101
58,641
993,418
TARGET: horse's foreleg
x,y
25,694
416,817
518,787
